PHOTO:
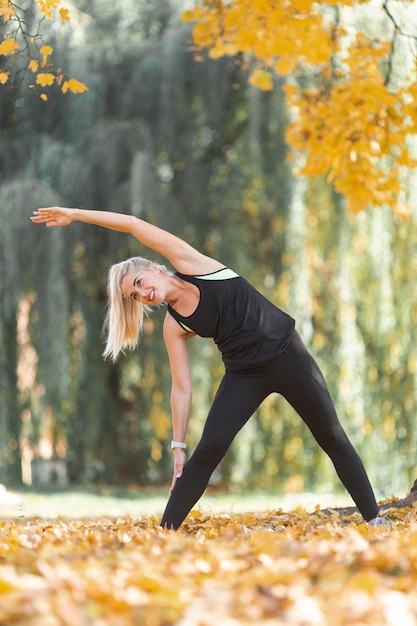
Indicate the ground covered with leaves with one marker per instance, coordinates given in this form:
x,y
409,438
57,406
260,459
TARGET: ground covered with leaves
x,y
244,569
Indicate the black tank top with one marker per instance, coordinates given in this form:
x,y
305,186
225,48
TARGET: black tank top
x,y
247,328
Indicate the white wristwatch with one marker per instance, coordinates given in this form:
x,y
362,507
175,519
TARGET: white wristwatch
x,y
178,444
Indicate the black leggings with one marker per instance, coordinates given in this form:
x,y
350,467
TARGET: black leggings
x,y
296,376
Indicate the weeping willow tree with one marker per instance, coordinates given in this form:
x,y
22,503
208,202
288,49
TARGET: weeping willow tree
x,y
30,272
162,150
361,320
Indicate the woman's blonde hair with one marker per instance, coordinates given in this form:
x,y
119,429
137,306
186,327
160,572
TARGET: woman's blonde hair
x,y
124,317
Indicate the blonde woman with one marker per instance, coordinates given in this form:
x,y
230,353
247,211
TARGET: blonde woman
x,y
261,350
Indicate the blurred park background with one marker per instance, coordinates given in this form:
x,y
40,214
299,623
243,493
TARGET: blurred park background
x,y
191,146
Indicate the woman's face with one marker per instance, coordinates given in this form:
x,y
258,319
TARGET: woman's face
x,y
147,286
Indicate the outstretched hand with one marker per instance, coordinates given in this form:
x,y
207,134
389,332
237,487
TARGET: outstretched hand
x,y
52,216
179,462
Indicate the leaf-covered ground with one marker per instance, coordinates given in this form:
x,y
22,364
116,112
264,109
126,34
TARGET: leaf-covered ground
x,y
243,569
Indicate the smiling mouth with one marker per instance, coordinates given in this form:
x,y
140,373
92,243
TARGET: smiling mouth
x,y
151,295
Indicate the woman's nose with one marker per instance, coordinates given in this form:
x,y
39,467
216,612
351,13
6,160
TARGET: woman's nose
x,y
140,291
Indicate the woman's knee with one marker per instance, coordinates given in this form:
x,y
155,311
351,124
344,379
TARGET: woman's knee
x,y
209,453
337,447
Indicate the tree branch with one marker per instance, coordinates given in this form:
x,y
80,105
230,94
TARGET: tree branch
x,y
403,503
397,32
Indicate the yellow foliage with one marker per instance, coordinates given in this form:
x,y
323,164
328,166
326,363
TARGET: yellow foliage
x,y
33,65
6,10
262,79
64,15
46,50
286,65
189,15
254,568
45,79
48,9
8,47
74,85
352,135
288,30
350,128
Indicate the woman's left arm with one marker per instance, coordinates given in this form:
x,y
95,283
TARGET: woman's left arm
x,y
181,391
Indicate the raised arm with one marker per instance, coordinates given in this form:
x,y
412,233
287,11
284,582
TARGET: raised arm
x,y
179,253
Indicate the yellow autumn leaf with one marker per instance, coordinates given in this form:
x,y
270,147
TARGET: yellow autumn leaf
x,y
46,50
291,91
43,97
262,79
8,46
33,65
225,49
74,85
4,77
217,52
45,79
6,10
47,6
64,15
188,15
285,65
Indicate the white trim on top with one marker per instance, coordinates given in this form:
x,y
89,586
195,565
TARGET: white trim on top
x,y
223,274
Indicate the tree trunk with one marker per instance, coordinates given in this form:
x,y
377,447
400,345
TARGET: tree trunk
x,y
393,503
10,459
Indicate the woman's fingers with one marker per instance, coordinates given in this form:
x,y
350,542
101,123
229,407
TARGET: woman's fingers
x,y
52,216
179,462
38,217
41,216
